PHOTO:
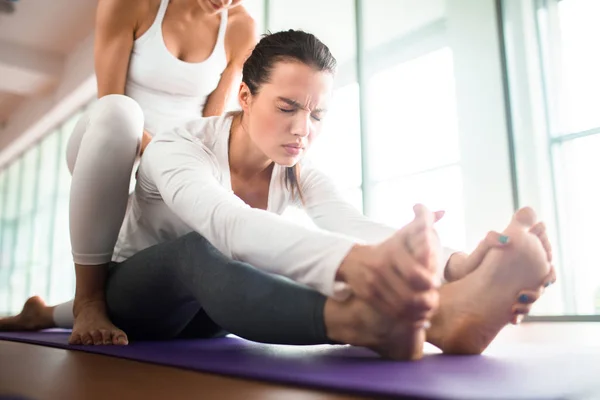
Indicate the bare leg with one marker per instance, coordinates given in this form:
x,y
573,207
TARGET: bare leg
x,y
475,308
35,315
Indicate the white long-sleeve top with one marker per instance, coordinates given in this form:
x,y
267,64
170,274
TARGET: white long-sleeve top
x,y
184,185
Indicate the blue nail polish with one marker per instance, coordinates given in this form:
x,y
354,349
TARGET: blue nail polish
x,y
523,299
503,239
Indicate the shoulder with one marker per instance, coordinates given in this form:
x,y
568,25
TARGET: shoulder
x,y
239,19
118,14
129,9
241,33
204,131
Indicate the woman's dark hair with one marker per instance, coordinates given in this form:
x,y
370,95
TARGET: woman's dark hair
x,y
288,45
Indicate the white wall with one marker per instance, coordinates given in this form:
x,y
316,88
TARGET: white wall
x,y
36,117
487,187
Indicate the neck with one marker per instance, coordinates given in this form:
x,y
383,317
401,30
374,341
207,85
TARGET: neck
x,y
245,159
192,8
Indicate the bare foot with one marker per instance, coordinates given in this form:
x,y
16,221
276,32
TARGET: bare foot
x,y
93,327
357,323
398,338
475,308
35,315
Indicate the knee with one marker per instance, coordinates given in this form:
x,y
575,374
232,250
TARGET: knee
x,y
193,248
196,246
119,121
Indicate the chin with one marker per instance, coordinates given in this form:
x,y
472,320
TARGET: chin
x,y
210,8
287,161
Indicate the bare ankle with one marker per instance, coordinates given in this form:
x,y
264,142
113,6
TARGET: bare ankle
x,y
338,324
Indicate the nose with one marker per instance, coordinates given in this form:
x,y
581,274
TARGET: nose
x,y
301,125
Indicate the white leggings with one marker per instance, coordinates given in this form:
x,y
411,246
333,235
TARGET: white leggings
x,y
101,154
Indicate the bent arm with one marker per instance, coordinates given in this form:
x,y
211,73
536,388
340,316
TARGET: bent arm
x,y
186,175
330,211
239,42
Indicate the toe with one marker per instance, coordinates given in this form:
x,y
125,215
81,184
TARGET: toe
x,y
547,246
551,277
75,338
119,338
517,319
525,216
538,228
86,339
97,337
529,296
106,339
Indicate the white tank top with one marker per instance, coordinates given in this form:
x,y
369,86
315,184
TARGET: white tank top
x,y
171,92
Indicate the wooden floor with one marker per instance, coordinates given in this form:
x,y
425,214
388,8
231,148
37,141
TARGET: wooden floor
x,y
36,372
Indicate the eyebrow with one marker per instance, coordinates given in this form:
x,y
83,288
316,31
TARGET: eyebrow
x,y
296,104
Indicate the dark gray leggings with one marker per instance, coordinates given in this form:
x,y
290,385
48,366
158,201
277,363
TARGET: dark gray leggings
x,y
187,288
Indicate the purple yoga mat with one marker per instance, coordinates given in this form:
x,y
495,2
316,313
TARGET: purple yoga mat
x,y
519,371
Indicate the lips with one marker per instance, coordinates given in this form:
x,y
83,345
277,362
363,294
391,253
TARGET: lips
x,y
293,149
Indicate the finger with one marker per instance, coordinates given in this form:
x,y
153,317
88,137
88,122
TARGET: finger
x,y
120,338
385,304
97,337
431,248
422,212
413,272
422,305
377,292
414,306
423,242
393,288
416,276
420,248
492,240
517,319
106,336
438,215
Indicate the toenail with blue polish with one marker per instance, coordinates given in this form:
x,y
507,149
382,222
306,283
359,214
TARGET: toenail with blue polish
x,y
523,298
503,239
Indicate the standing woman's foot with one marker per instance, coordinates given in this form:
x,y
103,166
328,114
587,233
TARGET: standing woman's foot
x,y
93,327
34,316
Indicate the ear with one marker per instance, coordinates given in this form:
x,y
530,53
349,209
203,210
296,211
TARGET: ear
x,y
244,97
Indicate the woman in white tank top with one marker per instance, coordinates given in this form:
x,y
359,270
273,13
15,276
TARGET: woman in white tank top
x,y
159,64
